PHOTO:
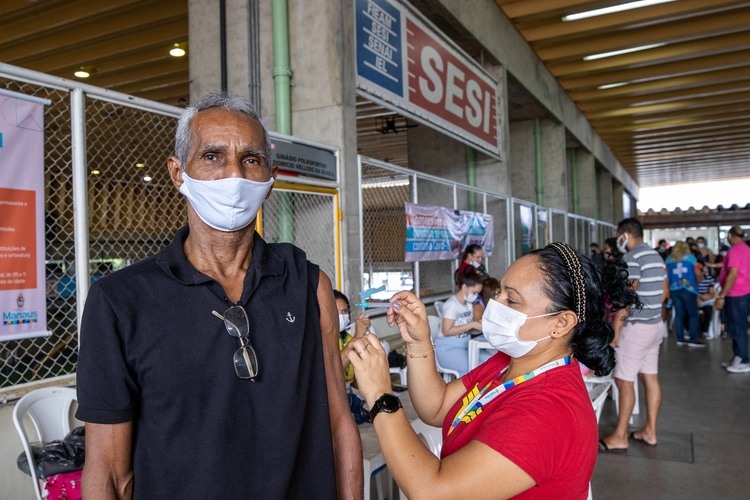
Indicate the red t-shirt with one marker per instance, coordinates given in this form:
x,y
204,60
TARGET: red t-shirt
x,y
545,425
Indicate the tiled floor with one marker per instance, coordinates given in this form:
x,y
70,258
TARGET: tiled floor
x,y
702,405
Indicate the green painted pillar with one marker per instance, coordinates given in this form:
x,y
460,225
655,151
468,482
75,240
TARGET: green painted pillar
x,y
282,77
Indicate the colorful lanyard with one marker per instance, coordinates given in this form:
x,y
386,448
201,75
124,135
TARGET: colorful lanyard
x,y
476,399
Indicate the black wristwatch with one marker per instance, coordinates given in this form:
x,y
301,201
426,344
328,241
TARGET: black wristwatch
x,y
388,403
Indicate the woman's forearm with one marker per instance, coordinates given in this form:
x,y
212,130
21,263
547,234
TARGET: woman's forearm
x,y
412,465
426,387
458,330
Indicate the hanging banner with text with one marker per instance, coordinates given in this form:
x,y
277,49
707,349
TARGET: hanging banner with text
x,y
22,280
413,68
439,233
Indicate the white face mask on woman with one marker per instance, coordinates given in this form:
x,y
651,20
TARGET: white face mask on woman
x,y
225,204
344,320
500,326
470,297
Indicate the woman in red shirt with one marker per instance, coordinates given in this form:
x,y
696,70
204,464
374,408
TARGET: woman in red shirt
x,y
520,425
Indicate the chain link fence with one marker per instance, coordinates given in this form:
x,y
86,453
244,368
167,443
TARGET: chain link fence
x,y
134,210
305,219
384,193
385,189
42,357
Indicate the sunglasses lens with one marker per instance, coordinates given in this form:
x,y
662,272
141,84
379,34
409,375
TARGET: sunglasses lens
x,y
245,362
236,322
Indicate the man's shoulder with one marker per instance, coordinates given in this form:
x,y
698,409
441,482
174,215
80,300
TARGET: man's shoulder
x,y
641,251
740,250
145,268
287,250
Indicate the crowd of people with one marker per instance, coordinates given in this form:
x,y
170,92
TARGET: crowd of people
x,y
171,401
704,286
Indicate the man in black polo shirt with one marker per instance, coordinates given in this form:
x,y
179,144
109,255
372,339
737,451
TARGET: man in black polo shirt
x,y
211,370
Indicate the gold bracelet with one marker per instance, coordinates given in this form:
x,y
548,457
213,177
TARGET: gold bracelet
x,y
406,351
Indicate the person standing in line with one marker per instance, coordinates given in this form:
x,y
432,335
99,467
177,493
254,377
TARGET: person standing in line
x,y
662,249
734,297
684,272
597,256
610,249
707,254
706,298
640,338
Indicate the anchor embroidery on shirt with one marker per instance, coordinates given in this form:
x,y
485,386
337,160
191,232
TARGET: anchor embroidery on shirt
x,y
290,318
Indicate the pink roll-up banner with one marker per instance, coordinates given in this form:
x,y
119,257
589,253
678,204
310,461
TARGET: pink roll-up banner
x,y
440,233
22,270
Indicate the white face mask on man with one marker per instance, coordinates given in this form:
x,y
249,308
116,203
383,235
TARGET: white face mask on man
x,y
227,204
622,243
500,326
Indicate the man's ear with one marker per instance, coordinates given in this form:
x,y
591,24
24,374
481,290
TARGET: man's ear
x,y
274,174
175,171
566,321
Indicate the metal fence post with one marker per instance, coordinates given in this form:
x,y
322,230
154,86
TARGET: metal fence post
x,y
512,225
80,200
417,283
361,227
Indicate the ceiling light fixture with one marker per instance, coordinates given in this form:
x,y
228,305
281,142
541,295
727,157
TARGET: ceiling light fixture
x,y
139,165
95,172
85,71
178,50
612,85
620,52
613,9
147,178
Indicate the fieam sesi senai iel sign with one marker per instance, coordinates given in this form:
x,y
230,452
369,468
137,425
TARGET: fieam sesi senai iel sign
x,y
409,66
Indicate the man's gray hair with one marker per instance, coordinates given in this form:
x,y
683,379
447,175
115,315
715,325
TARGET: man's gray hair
x,y
184,136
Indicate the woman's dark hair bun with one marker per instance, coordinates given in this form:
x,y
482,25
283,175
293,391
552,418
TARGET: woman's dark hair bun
x,y
592,346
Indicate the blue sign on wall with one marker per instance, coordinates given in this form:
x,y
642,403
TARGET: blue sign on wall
x,y
379,44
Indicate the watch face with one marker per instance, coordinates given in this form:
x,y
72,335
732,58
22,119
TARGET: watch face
x,y
390,403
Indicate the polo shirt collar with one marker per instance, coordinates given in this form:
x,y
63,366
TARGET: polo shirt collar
x,y
174,262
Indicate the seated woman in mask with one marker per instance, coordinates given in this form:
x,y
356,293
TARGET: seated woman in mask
x,y
361,326
458,321
520,425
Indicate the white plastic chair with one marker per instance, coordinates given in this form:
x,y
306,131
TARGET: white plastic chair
x,y
598,395
49,410
431,436
714,326
592,381
438,304
401,373
447,373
